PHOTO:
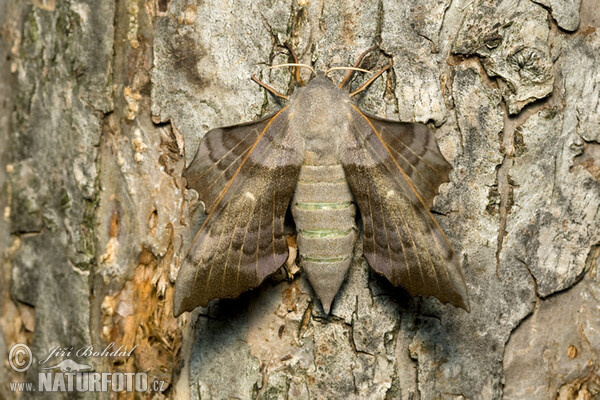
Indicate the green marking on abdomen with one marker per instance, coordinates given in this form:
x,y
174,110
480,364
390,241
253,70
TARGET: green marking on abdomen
x,y
324,206
307,182
325,233
324,260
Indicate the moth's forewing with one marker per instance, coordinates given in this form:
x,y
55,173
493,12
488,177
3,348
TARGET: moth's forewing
x,y
394,171
415,149
245,175
218,157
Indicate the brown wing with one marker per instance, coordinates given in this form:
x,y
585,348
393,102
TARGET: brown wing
x,y
416,151
245,175
394,170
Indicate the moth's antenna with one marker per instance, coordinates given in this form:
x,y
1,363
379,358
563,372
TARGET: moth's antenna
x,y
348,76
270,89
345,68
367,83
294,65
299,80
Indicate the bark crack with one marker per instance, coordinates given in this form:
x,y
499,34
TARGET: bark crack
x,y
507,147
533,278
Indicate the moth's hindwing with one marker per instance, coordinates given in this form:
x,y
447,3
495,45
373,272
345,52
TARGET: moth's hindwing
x,y
245,175
394,170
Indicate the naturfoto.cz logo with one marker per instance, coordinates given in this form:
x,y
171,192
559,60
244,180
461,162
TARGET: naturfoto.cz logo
x,y
71,376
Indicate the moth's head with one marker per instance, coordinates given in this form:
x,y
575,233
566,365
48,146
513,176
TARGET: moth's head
x,y
321,79
319,96
320,76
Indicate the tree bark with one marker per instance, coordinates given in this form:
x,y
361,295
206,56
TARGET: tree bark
x,y
103,105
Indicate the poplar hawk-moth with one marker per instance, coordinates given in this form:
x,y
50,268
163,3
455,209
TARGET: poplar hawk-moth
x,y
322,156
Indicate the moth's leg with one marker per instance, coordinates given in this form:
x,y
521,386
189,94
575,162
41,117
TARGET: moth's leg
x,y
350,73
297,73
367,83
270,89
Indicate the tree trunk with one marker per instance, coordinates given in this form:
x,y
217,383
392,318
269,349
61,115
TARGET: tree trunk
x,y
104,104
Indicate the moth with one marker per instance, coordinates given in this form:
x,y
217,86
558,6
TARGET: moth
x,y
323,157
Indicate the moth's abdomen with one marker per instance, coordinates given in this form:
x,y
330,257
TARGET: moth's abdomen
x,y
324,214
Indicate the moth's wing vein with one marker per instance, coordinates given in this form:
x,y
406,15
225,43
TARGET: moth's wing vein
x,y
267,149
232,241
217,136
415,149
378,167
228,185
425,179
216,163
256,249
251,172
434,189
407,229
223,172
406,178
220,231
419,232
408,148
372,228
223,261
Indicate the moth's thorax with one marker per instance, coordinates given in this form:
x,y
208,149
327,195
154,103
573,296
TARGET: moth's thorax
x,y
319,111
